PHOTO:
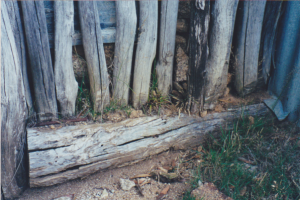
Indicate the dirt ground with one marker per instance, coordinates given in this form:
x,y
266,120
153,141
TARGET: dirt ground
x,y
92,187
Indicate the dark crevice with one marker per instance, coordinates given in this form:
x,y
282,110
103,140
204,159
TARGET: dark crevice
x,y
46,149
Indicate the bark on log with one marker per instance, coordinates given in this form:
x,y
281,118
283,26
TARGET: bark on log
x,y
247,45
126,30
65,83
40,59
200,16
271,17
13,114
75,151
94,53
17,28
168,23
221,31
146,50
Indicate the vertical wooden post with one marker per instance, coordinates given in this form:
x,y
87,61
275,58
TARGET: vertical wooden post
x,y
246,52
17,27
200,16
65,83
168,22
126,31
220,36
13,113
146,50
40,58
271,18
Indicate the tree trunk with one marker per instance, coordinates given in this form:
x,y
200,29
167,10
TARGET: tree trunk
x,y
146,50
271,18
168,23
94,53
125,35
65,83
200,16
17,28
246,51
13,114
220,36
76,151
40,59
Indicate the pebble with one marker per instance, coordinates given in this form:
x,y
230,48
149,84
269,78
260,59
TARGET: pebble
x,y
200,183
104,194
126,184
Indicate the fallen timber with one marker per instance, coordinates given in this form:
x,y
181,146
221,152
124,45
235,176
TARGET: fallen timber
x,y
56,156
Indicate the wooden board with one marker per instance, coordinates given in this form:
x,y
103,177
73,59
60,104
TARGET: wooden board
x,y
76,151
13,114
247,45
125,35
94,54
146,51
167,34
17,27
65,83
40,59
220,37
107,17
200,17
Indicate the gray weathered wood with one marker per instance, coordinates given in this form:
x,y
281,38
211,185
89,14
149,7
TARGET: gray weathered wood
x,y
271,18
164,68
146,50
13,114
65,83
40,59
126,31
94,53
220,37
249,22
200,16
17,27
75,151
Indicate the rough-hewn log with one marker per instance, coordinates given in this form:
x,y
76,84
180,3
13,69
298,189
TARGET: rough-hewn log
x,y
126,30
271,17
13,114
146,50
40,59
17,27
220,37
164,68
94,53
65,83
200,16
75,151
248,28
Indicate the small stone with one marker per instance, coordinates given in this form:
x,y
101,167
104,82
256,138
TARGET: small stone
x,y
126,184
203,113
104,194
52,127
200,183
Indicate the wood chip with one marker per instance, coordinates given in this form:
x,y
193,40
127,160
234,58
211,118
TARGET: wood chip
x,y
163,169
163,192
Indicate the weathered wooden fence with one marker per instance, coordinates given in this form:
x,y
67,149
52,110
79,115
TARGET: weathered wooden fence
x,y
222,34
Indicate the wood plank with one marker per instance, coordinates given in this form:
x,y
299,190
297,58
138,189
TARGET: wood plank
x,y
125,35
200,17
168,23
14,171
271,18
221,30
17,28
94,53
65,83
107,16
247,45
146,50
75,151
40,59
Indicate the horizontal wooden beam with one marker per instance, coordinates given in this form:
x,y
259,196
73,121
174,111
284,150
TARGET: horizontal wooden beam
x,y
76,151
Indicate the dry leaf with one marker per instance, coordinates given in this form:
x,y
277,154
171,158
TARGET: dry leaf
x,y
251,119
173,163
140,176
243,191
231,187
163,192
